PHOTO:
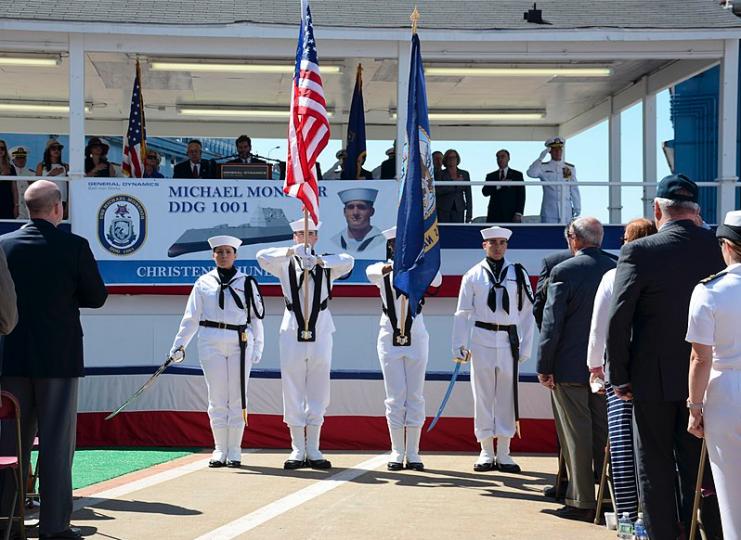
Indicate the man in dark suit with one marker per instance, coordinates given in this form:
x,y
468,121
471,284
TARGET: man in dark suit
x,y
194,167
244,149
507,203
8,308
55,275
562,362
647,356
541,292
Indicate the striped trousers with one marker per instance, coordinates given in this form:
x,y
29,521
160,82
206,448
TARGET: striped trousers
x,y
622,455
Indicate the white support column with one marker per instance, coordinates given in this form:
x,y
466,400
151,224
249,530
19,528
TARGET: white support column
x,y
615,153
76,106
650,145
727,130
404,60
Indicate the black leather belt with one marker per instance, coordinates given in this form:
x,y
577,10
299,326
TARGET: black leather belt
x,y
223,326
494,327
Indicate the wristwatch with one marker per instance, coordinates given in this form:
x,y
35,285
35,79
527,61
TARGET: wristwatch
x,y
696,406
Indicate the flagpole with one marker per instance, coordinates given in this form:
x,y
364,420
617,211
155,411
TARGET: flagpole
x,y
306,271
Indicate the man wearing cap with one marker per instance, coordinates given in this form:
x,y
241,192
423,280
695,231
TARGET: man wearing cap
x,y
225,307
647,354
403,348
19,159
335,171
387,169
305,337
562,363
553,209
360,238
497,296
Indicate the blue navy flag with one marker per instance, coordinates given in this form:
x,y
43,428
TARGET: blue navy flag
x,y
355,132
417,252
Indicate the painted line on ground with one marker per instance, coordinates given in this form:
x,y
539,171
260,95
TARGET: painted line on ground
x,y
289,502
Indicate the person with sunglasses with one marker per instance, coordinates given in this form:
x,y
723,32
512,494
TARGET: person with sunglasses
x,y
53,166
152,165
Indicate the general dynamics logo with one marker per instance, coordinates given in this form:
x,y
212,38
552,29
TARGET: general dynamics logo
x,y
122,224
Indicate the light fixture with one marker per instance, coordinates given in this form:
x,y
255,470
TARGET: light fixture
x,y
464,71
30,61
284,69
481,115
237,112
39,107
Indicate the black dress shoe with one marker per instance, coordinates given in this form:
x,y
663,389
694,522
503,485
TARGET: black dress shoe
x,y
511,469
550,491
233,464
293,464
415,465
320,464
215,464
485,467
68,533
576,514
394,466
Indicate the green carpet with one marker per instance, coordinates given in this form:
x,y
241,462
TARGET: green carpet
x,y
92,466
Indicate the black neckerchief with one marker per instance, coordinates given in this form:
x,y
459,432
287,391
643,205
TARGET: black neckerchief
x,y
225,280
364,244
495,272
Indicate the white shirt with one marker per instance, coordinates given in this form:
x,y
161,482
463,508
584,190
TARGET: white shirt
x,y
203,305
472,304
375,276
557,171
371,246
598,328
276,261
715,318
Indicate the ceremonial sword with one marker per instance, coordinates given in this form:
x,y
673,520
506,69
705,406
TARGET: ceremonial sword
x,y
458,363
147,384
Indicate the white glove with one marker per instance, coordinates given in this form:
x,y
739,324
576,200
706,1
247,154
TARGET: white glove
x,y
256,358
461,355
308,260
544,153
523,358
177,354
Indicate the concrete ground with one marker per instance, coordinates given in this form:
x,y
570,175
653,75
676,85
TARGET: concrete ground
x,y
357,499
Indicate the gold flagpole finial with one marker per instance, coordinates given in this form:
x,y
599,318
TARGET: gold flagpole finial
x,y
414,17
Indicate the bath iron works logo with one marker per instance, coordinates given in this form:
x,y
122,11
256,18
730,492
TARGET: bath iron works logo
x,y
122,225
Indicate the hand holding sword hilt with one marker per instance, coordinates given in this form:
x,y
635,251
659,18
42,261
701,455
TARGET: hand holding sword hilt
x,y
462,355
177,354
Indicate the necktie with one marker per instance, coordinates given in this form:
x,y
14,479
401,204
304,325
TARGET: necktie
x,y
223,286
491,300
195,171
501,174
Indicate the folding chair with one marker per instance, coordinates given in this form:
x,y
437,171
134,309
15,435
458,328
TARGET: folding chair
x,y
33,498
11,410
605,480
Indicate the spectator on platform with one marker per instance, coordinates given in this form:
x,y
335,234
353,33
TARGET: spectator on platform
x,y
7,206
454,203
388,167
557,206
506,203
195,167
244,149
152,165
19,156
96,159
53,166
437,164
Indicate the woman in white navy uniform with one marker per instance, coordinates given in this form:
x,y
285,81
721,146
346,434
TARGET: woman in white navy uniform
x,y
715,373
497,295
305,354
403,363
227,307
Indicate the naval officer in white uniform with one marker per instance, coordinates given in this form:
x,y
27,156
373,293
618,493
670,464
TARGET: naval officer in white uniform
x,y
403,363
305,354
227,307
715,373
497,295
552,208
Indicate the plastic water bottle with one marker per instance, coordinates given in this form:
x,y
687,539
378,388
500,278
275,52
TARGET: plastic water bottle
x,y
625,527
639,530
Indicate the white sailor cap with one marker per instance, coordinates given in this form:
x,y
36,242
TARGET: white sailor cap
x,y
390,234
298,225
496,232
216,241
555,141
731,228
19,151
358,194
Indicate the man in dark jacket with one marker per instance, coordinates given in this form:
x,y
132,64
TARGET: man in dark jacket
x,y
506,203
55,275
562,363
194,166
8,309
648,358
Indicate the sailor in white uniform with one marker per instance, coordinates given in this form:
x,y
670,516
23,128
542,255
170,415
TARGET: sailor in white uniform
x,y
497,295
360,238
552,208
715,373
403,363
227,307
305,338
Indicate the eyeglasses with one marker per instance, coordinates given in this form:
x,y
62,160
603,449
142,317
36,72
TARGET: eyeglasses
x,y
623,240
3,148
55,148
570,235
721,242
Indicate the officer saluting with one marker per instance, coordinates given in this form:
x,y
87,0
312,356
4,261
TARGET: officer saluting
x,y
403,362
305,353
496,294
554,209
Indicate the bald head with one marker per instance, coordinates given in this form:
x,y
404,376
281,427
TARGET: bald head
x,y
43,199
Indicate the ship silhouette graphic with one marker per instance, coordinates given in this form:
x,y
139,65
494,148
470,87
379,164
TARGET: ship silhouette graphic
x,y
266,225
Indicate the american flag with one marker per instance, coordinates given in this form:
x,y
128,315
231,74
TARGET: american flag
x,y
308,127
135,141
